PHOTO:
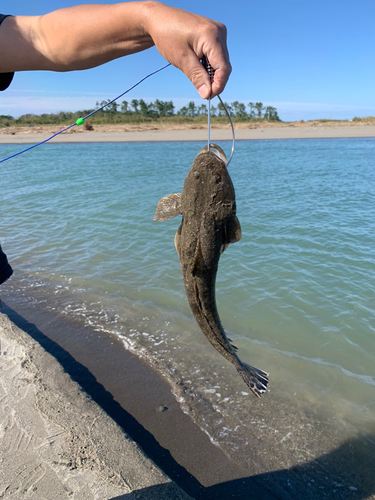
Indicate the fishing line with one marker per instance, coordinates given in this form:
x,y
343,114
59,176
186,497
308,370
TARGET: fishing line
x,y
209,124
80,121
211,72
231,124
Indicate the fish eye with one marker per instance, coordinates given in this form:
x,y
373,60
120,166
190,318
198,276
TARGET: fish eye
x,y
217,178
196,175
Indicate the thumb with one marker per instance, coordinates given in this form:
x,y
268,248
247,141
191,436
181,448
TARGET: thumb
x,y
197,74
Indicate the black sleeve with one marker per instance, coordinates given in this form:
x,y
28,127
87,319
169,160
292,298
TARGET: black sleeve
x,y
5,270
5,78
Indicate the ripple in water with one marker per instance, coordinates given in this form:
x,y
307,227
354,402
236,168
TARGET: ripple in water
x,y
296,293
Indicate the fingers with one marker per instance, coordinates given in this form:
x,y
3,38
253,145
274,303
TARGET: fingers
x,y
211,43
197,74
193,68
184,38
199,77
218,57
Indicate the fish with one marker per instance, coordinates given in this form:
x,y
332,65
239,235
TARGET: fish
x,y
209,224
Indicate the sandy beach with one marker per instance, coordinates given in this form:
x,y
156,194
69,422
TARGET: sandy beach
x,y
160,133
56,441
74,425
83,418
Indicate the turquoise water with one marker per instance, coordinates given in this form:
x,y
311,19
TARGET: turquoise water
x,y
296,294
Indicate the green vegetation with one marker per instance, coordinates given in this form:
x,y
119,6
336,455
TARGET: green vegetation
x,y
236,109
139,111
364,119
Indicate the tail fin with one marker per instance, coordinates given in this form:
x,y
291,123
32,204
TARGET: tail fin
x,y
254,378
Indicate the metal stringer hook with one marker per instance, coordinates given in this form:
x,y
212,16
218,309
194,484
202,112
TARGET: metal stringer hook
x,y
210,70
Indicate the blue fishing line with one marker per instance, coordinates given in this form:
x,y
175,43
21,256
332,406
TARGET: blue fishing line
x,y
80,121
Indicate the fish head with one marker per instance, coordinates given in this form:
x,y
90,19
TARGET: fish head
x,y
208,185
216,150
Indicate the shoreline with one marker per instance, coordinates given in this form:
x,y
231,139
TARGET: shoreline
x,y
135,399
121,133
57,442
140,404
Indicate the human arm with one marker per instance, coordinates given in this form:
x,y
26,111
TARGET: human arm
x,y
86,36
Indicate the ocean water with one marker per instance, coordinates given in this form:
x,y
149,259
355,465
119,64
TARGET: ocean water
x,y
296,294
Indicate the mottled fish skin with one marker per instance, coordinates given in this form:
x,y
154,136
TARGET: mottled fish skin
x,y
208,226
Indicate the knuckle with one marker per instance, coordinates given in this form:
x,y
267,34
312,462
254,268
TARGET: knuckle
x,y
223,29
210,30
195,76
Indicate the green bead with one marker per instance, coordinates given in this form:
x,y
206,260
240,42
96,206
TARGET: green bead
x,y
80,121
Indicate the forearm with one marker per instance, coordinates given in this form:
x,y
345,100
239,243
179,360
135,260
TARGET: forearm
x,y
89,35
74,38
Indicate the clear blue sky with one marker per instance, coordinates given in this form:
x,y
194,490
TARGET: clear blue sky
x,y
308,59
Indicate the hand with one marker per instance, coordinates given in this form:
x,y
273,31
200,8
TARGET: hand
x,y
183,38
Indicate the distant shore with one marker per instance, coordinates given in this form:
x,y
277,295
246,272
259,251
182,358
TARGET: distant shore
x,y
193,132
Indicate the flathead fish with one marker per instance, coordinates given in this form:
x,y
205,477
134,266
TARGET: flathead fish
x,y
209,224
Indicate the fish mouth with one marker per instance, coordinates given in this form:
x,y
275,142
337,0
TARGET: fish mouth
x,y
217,151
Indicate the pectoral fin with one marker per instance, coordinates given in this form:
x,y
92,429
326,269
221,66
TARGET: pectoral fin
x,y
168,207
232,232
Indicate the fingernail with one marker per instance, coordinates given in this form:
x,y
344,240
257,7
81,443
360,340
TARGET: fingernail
x,y
203,91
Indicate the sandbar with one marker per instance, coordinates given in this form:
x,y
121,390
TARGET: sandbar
x,y
122,133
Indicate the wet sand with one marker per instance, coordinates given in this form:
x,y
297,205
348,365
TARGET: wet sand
x,y
81,417
152,134
112,424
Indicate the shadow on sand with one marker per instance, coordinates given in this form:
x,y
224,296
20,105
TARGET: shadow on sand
x,y
346,473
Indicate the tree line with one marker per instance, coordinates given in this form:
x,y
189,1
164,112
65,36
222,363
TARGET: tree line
x,y
236,109
138,110
160,109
